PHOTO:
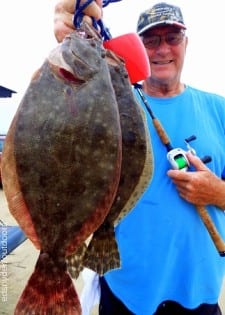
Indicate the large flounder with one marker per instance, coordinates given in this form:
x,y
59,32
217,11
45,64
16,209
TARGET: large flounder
x,y
61,165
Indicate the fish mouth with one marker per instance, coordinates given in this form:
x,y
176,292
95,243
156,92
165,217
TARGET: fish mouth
x,y
58,57
55,58
85,32
63,69
69,76
68,59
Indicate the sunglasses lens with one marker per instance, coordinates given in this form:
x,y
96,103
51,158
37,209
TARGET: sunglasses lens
x,y
152,41
174,38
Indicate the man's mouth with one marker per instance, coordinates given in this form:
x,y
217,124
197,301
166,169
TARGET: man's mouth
x,y
162,62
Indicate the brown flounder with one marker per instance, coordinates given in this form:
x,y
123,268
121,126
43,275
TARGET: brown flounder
x,y
136,171
102,253
61,165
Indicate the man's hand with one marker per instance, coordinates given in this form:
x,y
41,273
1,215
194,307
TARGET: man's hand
x,y
201,187
63,16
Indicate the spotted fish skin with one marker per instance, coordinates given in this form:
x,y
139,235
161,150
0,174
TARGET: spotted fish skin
x,y
63,151
136,171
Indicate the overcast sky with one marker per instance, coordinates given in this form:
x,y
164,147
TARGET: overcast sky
x,y
26,29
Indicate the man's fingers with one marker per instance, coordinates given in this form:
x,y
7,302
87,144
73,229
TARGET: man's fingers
x,y
61,30
64,13
93,9
196,162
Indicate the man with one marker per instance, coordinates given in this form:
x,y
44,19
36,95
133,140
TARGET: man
x,y
169,263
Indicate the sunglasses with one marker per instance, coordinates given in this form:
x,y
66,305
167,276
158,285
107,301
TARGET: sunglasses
x,y
172,39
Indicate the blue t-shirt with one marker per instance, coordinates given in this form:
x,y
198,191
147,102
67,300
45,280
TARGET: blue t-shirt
x,y
166,251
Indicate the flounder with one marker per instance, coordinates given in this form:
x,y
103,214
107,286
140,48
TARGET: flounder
x,y
136,171
61,165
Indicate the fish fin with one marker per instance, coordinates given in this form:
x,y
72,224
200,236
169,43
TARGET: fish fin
x,y
16,203
49,290
74,261
36,74
102,253
19,209
145,175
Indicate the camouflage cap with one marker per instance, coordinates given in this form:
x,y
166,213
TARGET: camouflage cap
x,y
160,14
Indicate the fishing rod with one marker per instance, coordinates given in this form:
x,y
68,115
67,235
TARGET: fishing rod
x,y
178,160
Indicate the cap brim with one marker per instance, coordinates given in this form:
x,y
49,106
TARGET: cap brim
x,y
152,25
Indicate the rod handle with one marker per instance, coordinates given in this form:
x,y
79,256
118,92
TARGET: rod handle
x,y
217,240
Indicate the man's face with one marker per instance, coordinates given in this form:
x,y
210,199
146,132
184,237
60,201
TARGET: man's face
x,y
166,47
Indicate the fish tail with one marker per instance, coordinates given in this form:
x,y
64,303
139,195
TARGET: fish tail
x,y
75,261
102,253
49,290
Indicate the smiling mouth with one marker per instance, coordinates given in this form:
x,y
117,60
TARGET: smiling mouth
x,y
162,62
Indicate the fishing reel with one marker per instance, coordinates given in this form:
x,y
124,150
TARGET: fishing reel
x,y
178,157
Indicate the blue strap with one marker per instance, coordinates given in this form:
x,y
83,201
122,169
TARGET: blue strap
x,y
78,16
104,31
106,2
